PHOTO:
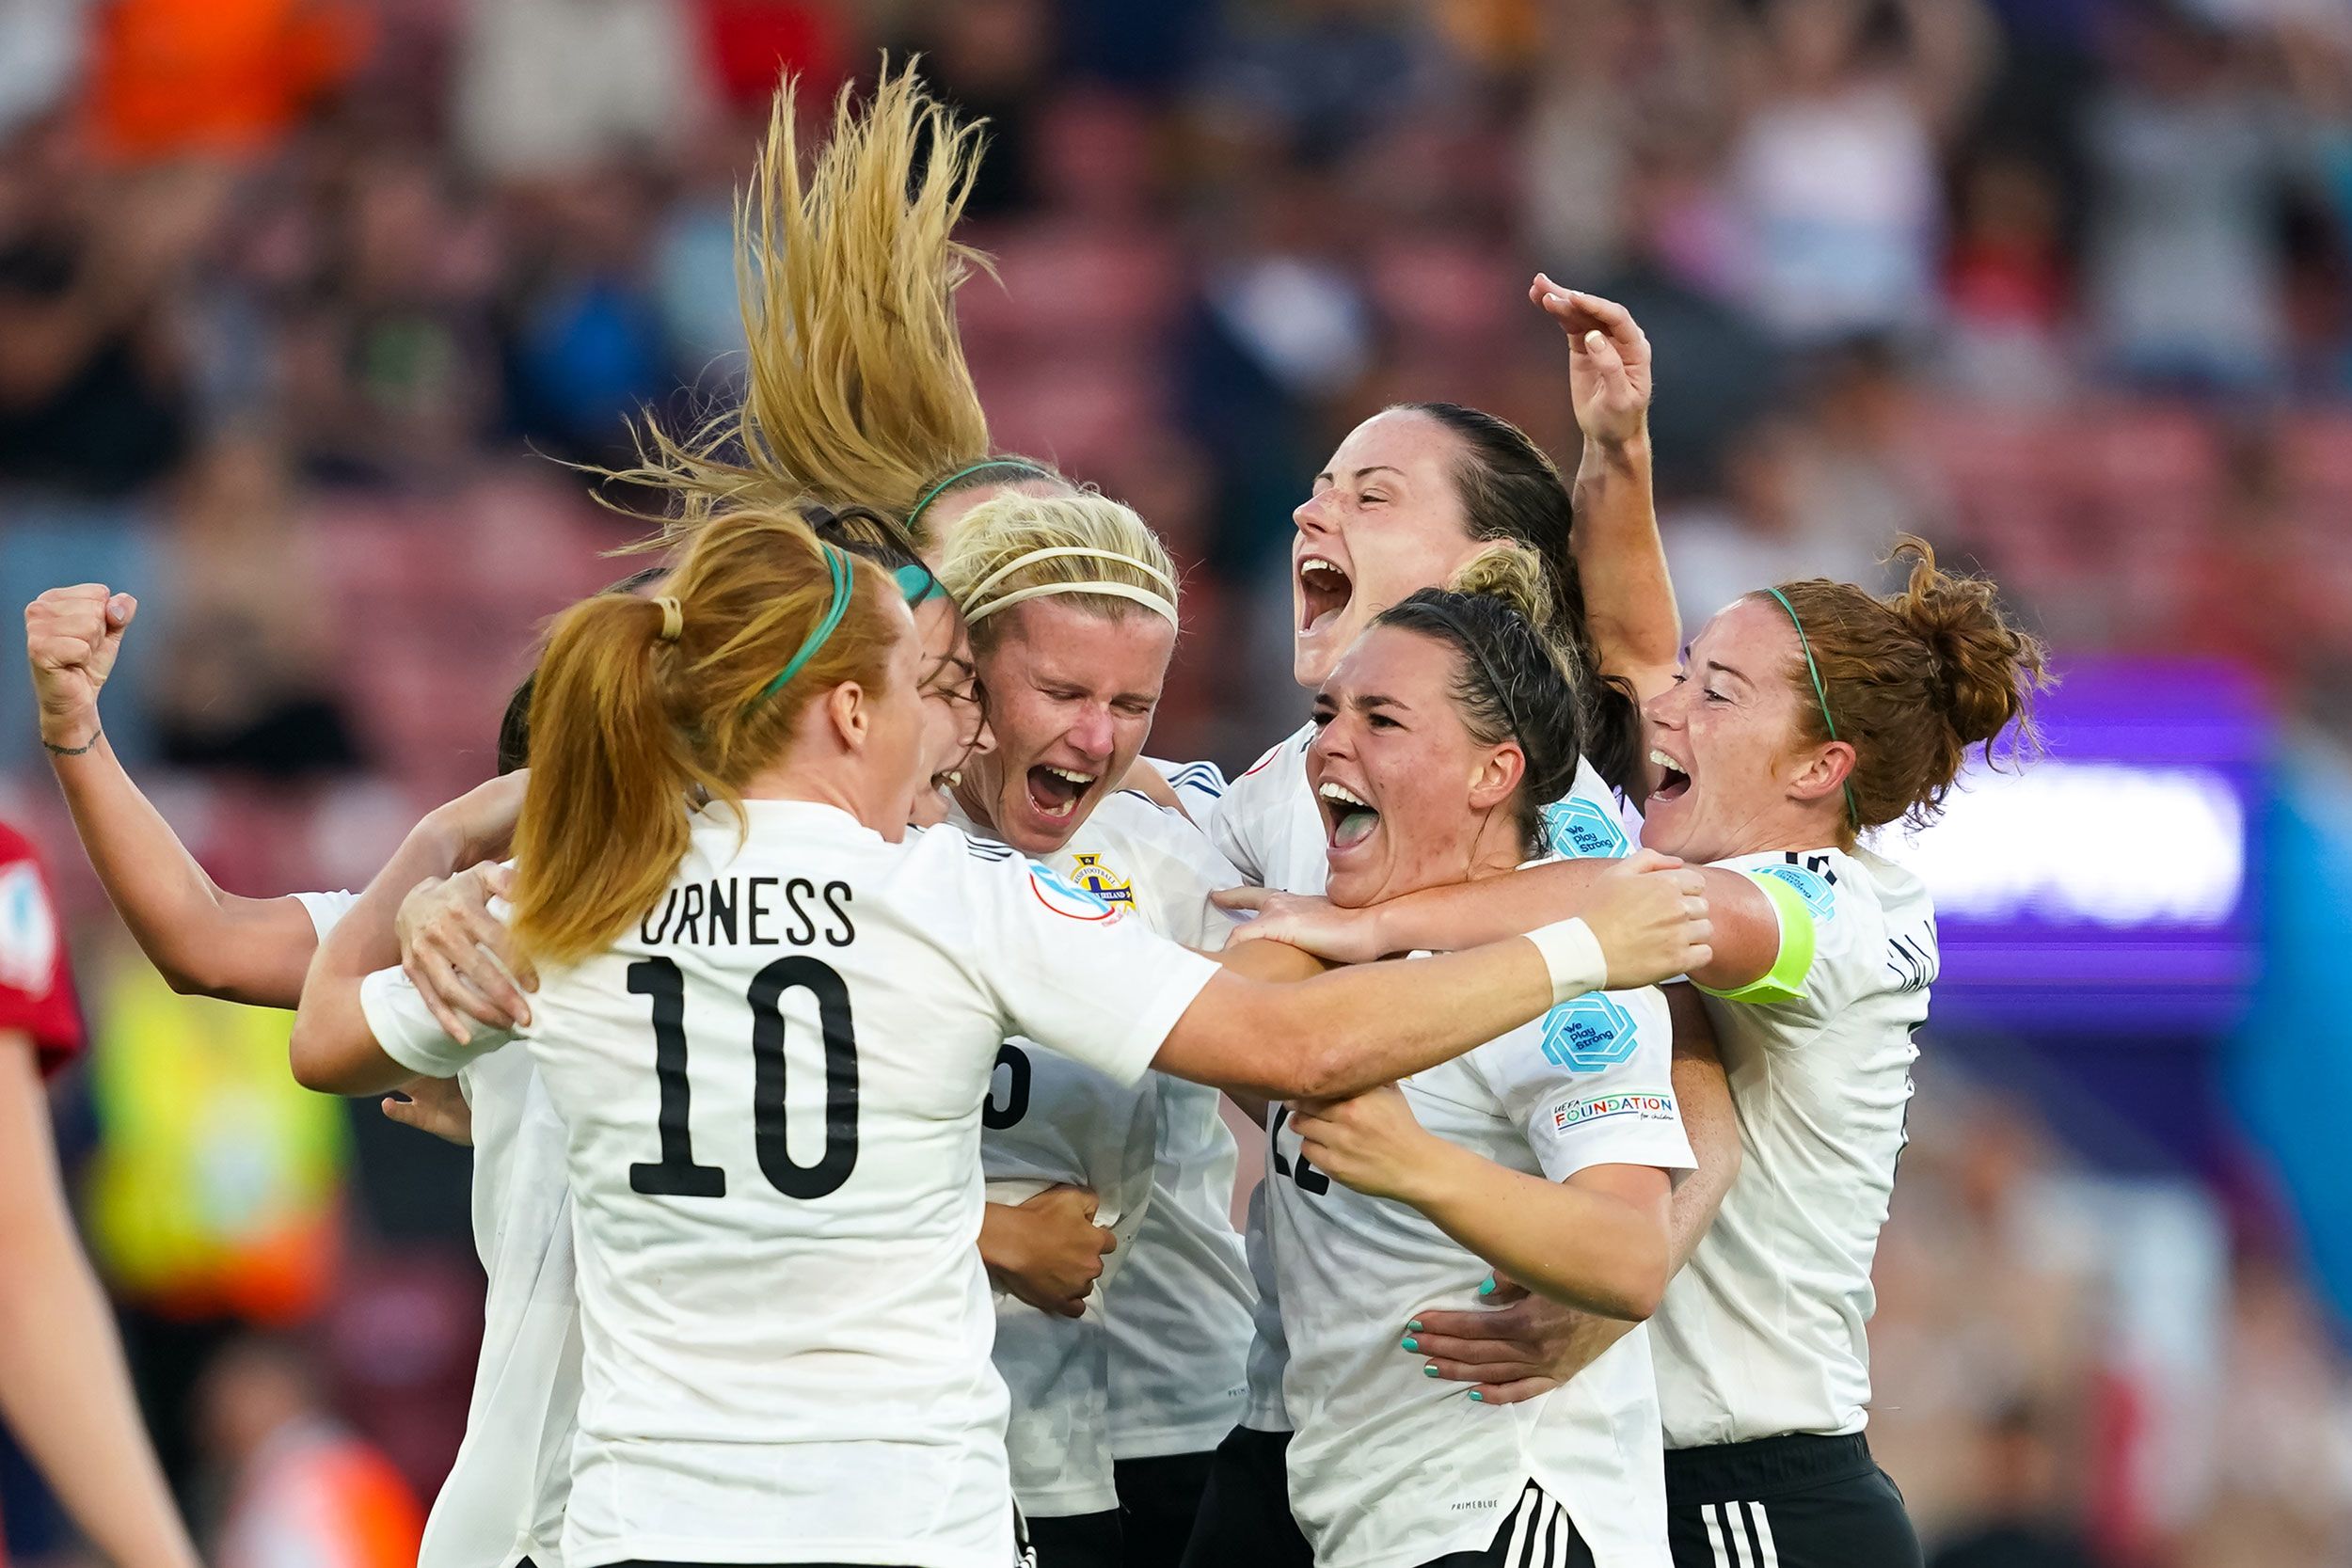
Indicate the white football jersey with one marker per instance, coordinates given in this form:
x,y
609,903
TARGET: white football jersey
x,y
1200,785
772,1086
1179,1308
1269,825
1051,1119
1391,1469
504,1495
1762,1332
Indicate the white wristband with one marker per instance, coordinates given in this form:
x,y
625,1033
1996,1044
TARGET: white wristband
x,y
1572,957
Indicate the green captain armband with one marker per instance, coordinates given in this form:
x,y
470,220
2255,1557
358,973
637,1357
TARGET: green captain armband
x,y
1785,980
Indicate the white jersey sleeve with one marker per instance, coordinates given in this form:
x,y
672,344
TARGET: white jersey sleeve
x,y
1266,825
409,1033
1835,947
1200,785
327,910
1593,1084
1070,973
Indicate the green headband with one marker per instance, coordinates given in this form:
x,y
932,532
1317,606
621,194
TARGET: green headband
x,y
1821,692
837,567
1028,470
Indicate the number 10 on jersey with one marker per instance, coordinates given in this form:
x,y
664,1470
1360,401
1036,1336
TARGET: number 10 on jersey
x,y
676,1174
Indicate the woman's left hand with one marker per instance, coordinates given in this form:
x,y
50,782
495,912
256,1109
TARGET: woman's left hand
x,y
1314,925
1609,361
1369,1141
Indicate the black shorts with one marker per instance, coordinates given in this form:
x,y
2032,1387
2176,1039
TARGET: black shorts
x,y
1798,1501
1159,1500
1076,1540
1244,1519
1539,1533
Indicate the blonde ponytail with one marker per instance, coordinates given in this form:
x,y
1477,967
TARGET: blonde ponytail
x,y
626,720
856,389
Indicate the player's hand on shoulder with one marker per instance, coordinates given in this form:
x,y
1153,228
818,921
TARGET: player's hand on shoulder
x,y
1371,1141
1315,925
459,955
1047,1251
1649,913
434,1105
71,638
1517,1347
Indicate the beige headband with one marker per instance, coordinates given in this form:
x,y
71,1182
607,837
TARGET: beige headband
x,y
672,618
974,610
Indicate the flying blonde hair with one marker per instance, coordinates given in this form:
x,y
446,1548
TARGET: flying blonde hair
x,y
857,391
1007,551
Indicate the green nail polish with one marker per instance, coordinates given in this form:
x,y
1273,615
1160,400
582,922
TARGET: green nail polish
x,y
1413,1327
1479,1396
1487,1287
1430,1370
1406,1344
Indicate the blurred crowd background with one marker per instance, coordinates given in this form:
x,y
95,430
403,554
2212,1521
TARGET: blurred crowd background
x,y
306,304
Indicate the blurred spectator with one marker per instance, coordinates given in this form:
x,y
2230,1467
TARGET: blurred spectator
x,y
387,358
1319,77
1761,532
1835,170
213,1200
994,60
2025,1490
2008,285
2283,1439
41,45
223,78
748,44
248,687
93,277
558,87
2185,270
584,347
300,1487
1864,484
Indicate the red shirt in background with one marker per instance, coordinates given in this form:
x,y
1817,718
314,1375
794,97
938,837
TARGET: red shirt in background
x,y
35,991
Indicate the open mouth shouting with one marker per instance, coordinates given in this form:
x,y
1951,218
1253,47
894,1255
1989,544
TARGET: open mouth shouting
x,y
1348,819
1054,792
1324,591
1672,780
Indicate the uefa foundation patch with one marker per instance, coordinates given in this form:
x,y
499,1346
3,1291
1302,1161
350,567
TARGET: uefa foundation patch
x,y
1570,1113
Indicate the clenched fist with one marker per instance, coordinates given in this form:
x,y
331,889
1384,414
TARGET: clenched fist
x,y
72,636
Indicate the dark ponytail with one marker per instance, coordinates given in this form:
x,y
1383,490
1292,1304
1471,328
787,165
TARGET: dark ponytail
x,y
1510,490
1508,682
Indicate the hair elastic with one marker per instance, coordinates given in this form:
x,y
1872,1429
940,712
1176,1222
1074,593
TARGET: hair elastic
x,y
837,568
1821,692
672,618
1028,470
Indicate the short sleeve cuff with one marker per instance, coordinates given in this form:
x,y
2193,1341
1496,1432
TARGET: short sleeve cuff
x,y
1186,975
1612,1127
325,910
405,1031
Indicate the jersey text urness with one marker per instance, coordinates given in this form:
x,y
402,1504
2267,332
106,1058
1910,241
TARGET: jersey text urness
x,y
755,912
